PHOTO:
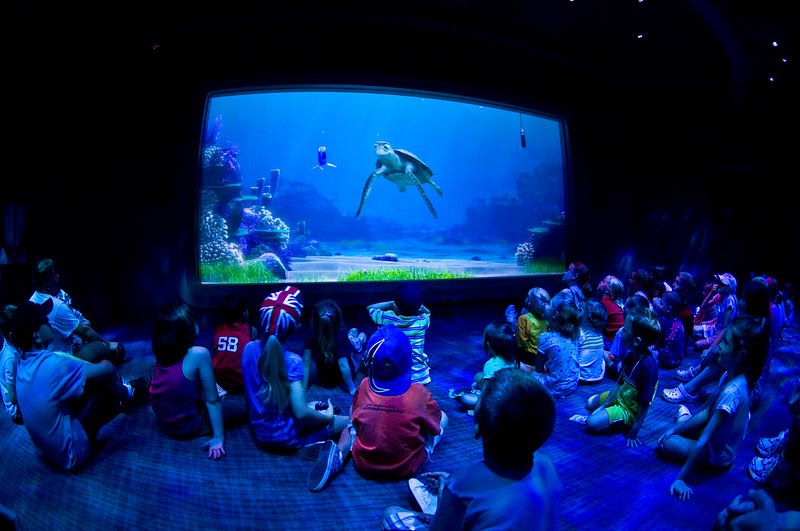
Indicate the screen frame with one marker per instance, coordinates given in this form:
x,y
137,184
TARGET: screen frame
x,y
508,288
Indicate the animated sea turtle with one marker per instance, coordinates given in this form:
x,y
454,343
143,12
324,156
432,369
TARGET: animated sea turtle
x,y
404,169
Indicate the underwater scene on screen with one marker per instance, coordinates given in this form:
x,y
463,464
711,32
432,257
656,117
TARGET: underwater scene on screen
x,y
348,186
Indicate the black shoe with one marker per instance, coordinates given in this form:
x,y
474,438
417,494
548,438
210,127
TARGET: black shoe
x,y
117,356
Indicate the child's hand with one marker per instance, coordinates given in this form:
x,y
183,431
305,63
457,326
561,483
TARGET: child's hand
x,y
680,489
215,447
632,440
436,480
330,411
756,512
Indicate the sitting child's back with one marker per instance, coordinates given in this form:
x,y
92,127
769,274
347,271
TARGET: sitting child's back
x,y
408,314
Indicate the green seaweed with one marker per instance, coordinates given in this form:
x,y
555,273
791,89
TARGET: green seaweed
x,y
388,274
233,273
544,265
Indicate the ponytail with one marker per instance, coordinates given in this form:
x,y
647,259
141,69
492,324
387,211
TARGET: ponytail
x,y
272,368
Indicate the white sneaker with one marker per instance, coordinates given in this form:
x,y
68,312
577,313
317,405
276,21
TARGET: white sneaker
x,y
428,501
357,340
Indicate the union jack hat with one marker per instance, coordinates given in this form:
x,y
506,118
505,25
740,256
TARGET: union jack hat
x,y
280,312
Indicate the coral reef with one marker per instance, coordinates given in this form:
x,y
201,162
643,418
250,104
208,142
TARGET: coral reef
x,y
214,246
260,232
525,252
220,167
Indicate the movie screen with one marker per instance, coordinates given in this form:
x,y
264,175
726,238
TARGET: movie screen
x,y
353,185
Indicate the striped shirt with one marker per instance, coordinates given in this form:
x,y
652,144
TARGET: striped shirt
x,y
414,327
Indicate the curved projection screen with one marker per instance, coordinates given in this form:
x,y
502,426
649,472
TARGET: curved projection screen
x,y
360,184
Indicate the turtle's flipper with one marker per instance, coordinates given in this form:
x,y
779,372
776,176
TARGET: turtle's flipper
x,y
436,187
365,193
423,194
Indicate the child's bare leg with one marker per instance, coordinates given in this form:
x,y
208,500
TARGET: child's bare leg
x,y
593,402
469,400
706,376
677,447
345,441
598,421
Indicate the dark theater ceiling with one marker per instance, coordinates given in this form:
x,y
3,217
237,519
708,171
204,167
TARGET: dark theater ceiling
x,y
719,50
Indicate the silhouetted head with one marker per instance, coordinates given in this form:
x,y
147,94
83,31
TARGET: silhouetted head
x,y
514,416
408,298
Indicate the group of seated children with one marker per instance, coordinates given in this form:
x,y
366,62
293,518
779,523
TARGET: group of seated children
x,y
394,423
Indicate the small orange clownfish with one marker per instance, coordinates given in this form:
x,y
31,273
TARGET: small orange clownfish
x,y
322,159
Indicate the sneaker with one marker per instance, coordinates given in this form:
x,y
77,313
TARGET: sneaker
x,y
138,390
427,500
327,465
767,470
683,414
511,314
769,446
357,340
686,375
310,452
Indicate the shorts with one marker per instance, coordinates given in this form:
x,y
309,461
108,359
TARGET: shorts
x,y
617,413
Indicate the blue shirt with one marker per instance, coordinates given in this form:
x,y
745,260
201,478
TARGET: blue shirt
x,y
269,425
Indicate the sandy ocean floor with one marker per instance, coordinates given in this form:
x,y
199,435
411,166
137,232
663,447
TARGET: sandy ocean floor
x,y
476,261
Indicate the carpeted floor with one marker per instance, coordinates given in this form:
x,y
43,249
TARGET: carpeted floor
x,y
141,479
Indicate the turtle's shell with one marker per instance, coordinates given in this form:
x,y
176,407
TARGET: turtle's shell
x,y
422,171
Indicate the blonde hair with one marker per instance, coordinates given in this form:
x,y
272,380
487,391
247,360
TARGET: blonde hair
x,y
272,368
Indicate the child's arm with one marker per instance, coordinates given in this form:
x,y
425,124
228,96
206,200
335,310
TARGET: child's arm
x,y
423,309
303,413
97,370
384,306
633,434
205,373
347,376
306,367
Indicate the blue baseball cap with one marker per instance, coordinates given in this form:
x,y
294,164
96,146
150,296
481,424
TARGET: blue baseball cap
x,y
389,354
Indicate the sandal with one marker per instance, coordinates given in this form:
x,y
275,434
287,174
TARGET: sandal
x,y
677,395
452,393
685,375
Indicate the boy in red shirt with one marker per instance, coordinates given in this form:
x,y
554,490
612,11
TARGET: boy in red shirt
x,y
395,424
230,337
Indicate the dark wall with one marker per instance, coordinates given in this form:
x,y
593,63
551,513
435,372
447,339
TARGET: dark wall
x,y
105,139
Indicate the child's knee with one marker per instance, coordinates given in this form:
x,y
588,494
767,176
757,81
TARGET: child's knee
x,y
596,423
467,399
593,402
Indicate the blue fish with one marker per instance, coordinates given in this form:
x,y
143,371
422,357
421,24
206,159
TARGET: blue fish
x,y
322,159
